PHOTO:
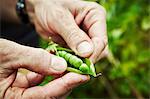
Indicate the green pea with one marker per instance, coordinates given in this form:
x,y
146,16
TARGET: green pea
x,y
73,60
81,66
67,56
84,68
77,62
62,53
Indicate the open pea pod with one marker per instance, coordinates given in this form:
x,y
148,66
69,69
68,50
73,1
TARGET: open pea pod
x,y
91,67
87,66
91,71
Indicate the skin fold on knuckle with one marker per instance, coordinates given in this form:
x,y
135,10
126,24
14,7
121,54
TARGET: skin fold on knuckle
x,y
98,14
101,40
102,43
93,4
98,47
58,20
14,93
91,18
6,47
40,57
73,38
5,84
103,10
97,7
10,53
104,54
43,58
57,15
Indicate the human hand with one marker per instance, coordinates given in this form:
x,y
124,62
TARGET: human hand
x,y
15,85
80,24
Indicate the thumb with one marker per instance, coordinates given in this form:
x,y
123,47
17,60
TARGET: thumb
x,y
39,60
58,87
34,59
75,38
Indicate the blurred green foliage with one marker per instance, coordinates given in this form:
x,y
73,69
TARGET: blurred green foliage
x,y
125,72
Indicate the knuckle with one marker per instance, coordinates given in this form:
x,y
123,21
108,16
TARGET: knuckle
x,y
98,7
94,4
72,36
102,9
59,13
41,55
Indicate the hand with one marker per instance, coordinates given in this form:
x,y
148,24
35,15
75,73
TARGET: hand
x,y
80,24
14,84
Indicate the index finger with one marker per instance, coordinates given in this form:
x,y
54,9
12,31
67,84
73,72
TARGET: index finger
x,y
95,24
57,87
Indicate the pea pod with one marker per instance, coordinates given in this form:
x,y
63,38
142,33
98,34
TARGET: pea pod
x,y
76,64
84,66
72,59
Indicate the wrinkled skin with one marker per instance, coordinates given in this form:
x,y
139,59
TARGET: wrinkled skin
x,y
79,24
18,85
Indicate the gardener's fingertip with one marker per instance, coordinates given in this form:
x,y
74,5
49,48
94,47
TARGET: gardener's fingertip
x,y
58,64
85,49
76,79
85,78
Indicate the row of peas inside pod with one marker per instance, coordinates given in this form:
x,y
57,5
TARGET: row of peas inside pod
x,y
75,63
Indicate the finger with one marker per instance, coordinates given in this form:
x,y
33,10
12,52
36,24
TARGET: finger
x,y
99,48
76,38
46,34
27,80
58,87
34,59
65,96
104,54
44,62
5,83
65,84
95,23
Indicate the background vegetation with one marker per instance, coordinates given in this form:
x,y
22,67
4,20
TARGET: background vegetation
x,y
125,72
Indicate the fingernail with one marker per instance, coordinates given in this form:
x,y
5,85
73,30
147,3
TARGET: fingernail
x,y
58,64
85,78
85,48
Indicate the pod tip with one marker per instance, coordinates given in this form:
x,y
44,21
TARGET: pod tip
x,y
99,74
